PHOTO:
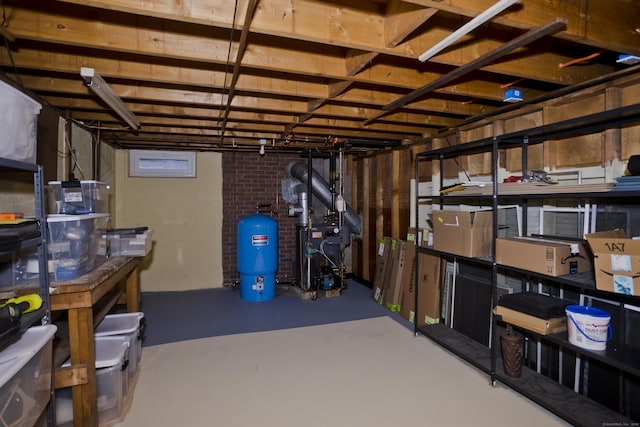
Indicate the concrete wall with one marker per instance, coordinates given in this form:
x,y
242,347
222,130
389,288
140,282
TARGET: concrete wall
x,y
185,215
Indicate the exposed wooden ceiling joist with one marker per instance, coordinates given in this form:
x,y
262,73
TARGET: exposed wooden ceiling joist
x,y
303,66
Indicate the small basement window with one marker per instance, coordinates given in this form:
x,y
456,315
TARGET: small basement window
x,y
162,164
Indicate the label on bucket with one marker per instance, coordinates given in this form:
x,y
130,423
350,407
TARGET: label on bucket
x,y
588,328
259,240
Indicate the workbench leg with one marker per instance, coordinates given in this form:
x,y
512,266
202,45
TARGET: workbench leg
x,y
133,291
83,352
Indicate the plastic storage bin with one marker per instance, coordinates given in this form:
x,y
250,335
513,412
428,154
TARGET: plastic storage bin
x,y
111,382
19,124
78,197
25,376
136,245
19,271
126,325
76,244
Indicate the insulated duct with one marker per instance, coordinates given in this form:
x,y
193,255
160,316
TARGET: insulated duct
x,y
320,189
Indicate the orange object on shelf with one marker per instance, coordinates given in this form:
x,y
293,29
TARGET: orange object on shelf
x,y
10,216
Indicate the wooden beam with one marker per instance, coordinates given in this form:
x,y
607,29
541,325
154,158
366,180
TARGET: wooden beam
x,y
129,37
314,104
402,19
338,88
550,27
357,60
251,9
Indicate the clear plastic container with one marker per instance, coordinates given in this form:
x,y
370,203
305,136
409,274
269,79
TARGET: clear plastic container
x,y
25,376
111,382
78,197
76,244
129,326
133,245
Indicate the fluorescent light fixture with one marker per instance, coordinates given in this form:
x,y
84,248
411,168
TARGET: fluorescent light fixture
x,y
97,84
468,27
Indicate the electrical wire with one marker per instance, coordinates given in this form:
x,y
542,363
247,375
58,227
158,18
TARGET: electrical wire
x,y
74,157
583,59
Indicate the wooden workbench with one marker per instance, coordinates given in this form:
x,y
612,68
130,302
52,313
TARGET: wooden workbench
x,y
87,299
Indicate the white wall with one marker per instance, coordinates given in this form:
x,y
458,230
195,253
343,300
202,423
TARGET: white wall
x,y
185,215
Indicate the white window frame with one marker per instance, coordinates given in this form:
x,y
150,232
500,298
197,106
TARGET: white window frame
x,y
162,164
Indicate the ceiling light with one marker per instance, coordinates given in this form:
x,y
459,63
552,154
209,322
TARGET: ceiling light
x,y
263,142
97,84
512,95
468,27
628,59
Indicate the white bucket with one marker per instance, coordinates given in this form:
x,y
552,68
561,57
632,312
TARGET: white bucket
x,y
588,327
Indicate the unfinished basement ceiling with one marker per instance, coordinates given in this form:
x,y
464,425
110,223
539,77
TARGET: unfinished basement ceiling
x,y
218,75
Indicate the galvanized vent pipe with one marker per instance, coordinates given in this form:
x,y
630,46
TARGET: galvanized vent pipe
x,y
320,189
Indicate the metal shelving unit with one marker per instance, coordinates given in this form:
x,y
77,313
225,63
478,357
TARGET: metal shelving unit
x,y
43,315
573,407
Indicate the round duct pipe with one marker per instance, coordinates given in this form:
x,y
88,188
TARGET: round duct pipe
x,y
320,189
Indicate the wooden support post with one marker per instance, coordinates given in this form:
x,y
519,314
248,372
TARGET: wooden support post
x,y
83,352
367,238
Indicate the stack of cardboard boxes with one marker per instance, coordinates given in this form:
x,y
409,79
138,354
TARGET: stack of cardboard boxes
x,y
470,234
395,279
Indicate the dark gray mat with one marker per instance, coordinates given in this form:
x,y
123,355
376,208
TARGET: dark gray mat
x,y
187,315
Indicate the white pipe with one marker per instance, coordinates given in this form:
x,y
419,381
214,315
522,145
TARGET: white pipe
x,y
468,27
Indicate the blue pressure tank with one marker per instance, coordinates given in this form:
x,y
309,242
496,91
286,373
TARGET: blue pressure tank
x,y
257,257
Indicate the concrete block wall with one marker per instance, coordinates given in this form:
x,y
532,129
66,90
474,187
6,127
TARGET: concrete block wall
x,y
249,180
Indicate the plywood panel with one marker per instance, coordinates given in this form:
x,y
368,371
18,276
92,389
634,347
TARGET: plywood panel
x,y
384,186
426,169
580,151
477,164
535,153
450,167
630,142
630,138
403,172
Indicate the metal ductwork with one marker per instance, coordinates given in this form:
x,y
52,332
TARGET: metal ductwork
x,y
320,189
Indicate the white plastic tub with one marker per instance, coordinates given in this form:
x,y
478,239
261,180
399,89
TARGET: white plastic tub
x,y
111,382
25,376
127,325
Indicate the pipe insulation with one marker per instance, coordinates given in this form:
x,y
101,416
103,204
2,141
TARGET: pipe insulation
x,y
320,189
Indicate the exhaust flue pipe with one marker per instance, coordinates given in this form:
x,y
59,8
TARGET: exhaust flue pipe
x,y
320,189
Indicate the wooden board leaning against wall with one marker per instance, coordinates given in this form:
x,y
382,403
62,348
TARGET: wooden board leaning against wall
x,y
381,182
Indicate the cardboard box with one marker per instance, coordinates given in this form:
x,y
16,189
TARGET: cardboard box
x,y
407,294
383,260
531,323
393,291
428,292
544,256
413,234
617,262
463,233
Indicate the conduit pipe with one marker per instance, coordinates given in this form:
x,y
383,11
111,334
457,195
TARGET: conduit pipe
x,y
320,189
468,27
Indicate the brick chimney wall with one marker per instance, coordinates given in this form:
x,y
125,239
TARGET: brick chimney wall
x,y
249,180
